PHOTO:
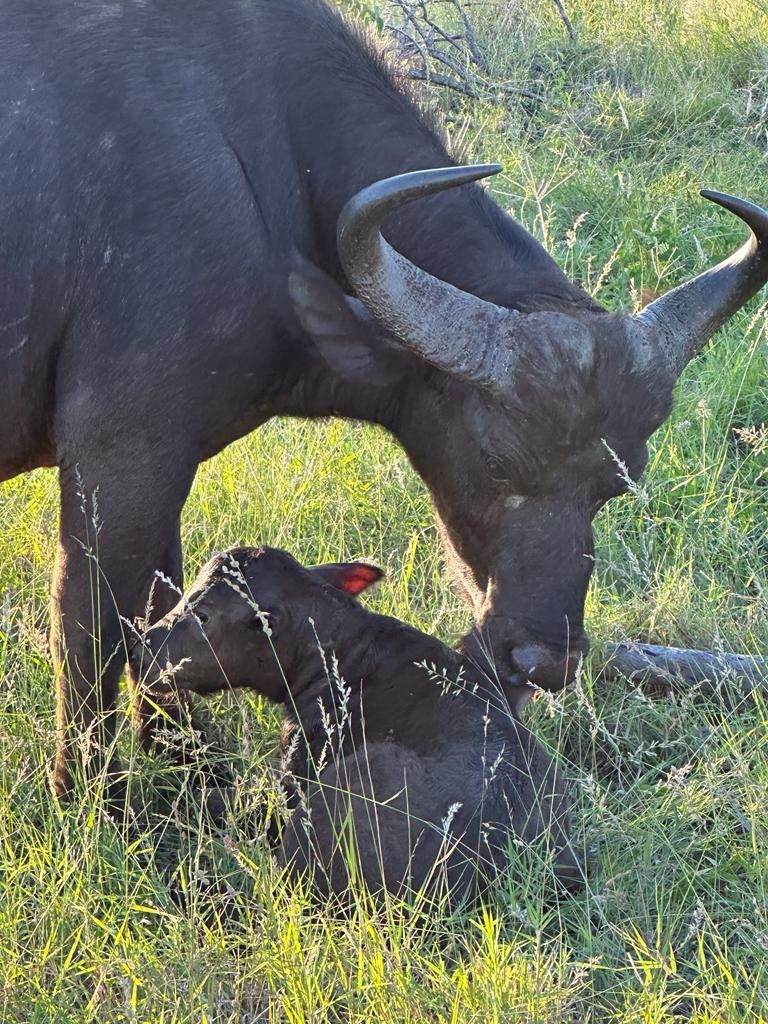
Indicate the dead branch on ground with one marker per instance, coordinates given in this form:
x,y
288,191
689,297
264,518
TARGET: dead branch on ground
x,y
722,675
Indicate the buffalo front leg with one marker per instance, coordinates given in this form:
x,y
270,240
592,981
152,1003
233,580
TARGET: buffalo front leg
x,y
159,596
117,525
163,720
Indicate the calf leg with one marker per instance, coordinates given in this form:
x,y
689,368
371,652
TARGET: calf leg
x,y
118,523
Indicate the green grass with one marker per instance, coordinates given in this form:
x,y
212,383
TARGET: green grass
x,y
180,923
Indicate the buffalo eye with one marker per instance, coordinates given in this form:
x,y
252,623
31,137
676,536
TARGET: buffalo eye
x,y
202,617
495,468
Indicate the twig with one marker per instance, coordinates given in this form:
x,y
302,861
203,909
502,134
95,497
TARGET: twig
x,y
435,78
517,91
565,19
469,34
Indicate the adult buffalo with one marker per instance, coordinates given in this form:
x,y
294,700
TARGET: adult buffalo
x,y
159,163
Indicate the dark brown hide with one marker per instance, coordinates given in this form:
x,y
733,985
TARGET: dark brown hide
x,y
406,763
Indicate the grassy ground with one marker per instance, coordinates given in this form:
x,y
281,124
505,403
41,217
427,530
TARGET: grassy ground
x,y
649,102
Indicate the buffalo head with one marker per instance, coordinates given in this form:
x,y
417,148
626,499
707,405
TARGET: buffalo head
x,y
523,423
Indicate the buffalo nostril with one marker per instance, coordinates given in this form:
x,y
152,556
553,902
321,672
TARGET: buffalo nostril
x,y
552,670
528,658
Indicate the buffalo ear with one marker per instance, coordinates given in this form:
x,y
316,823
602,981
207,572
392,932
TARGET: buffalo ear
x,y
342,329
350,577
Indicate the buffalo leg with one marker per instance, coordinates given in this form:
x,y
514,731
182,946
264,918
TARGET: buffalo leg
x,y
116,528
159,596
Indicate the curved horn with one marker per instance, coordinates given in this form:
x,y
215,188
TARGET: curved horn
x,y
451,329
684,319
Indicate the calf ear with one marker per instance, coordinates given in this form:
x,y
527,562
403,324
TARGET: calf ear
x,y
350,577
342,329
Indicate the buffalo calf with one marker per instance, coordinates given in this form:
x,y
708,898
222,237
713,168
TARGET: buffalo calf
x,y
405,764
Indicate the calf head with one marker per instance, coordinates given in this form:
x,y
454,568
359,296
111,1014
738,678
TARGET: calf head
x,y
250,620
523,420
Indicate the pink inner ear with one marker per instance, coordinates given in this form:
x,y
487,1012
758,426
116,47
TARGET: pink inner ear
x,y
358,578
